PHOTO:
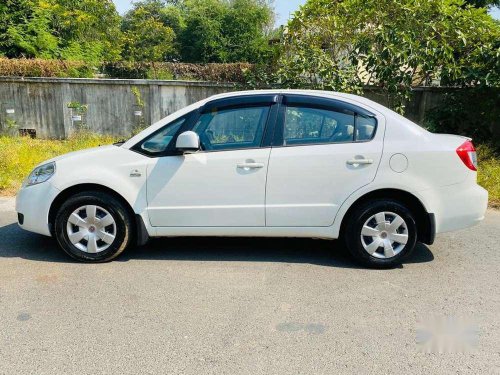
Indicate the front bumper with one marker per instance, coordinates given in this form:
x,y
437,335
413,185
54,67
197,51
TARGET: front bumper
x,y
33,203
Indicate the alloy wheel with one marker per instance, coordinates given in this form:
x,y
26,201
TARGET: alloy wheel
x,y
91,229
384,235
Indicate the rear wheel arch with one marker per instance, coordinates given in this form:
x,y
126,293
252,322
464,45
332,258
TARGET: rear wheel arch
x,y
424,220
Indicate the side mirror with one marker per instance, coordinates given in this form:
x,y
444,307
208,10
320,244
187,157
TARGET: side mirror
x,y
188,142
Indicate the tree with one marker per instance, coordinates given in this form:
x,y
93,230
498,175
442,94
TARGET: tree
x,y
89,30
146,33
247,26
69,29
25,30
202,39
483,3
226,31
394,44
154,30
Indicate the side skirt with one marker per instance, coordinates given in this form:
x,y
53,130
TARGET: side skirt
x,y
297,232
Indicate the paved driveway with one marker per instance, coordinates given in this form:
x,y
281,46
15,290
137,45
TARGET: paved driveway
x,y
243,306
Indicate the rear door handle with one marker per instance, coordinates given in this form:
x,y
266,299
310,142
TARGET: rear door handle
x,y
359,161
250,165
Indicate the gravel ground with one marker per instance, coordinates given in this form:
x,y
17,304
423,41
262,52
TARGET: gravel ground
x,y
244,306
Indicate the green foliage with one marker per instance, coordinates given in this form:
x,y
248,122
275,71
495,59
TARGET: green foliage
x,y
19,155
139,70
483,3
146,37
203,39
88,29
233,72
25,30
83,30
488,175
78,107
394,44
263,74
9,127
140,124
45,68
223,31
138,97
91,31
473,112
197,31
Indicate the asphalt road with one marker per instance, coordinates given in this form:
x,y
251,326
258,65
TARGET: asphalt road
x,y
244,306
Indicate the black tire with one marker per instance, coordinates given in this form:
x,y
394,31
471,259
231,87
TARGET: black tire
x,y
354,226
123,230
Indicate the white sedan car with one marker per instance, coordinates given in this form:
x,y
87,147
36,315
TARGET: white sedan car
x,y
262,163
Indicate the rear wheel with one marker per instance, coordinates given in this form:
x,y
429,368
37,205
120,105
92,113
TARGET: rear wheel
x,y
381,233
93,227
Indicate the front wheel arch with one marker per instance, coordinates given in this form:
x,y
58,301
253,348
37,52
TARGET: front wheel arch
x,y
72,190
424,220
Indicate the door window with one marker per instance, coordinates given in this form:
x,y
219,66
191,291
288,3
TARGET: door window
x,y
306,125
232,128
313,125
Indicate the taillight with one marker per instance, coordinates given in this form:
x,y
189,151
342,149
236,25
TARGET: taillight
x,y
467,153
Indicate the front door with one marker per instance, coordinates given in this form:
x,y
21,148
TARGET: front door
x,y
223,185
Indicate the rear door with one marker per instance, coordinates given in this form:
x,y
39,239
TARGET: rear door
x,y
323,151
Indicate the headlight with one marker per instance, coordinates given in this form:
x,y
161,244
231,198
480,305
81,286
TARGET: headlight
x,y
40,174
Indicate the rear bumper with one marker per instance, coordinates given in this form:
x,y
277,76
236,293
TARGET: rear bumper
x,y
33,205
458,206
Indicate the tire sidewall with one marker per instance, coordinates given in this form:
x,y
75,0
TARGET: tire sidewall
x,y
110,204
358,219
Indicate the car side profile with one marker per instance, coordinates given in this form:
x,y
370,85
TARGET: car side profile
x,y
284,163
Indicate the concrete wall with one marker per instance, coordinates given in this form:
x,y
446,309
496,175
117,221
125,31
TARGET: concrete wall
x,y
42,103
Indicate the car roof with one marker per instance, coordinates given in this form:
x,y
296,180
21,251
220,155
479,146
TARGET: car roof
x,y
349,98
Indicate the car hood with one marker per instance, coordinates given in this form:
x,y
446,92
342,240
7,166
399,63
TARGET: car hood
x,y
89,151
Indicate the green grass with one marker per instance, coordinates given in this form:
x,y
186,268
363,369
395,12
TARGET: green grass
x,y
19,155
489,173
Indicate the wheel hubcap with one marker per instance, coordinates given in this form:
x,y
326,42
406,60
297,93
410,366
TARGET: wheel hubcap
x,y
91,229
384,235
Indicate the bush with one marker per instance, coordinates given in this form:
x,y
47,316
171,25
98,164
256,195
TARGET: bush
x,y
235,72
473,112
45,68
489,173
19,155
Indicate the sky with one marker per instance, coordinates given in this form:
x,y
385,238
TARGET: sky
x,y
283,8
495,13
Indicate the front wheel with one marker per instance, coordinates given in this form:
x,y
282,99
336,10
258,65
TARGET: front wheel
x,y
93,227
381,233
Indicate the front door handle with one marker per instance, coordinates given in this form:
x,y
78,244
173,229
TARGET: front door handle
x,y
359,161
250,165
